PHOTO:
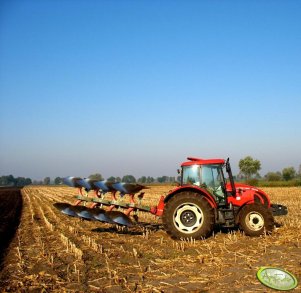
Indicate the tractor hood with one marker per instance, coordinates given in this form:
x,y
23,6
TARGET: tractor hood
x,y
248,192
241,186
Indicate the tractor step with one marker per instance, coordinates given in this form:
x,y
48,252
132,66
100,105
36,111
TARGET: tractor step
x,y
227,213
226,217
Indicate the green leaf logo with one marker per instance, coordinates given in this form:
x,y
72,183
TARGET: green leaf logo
x,y
276,278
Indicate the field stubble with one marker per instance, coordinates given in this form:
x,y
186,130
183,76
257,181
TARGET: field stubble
x,y
56,253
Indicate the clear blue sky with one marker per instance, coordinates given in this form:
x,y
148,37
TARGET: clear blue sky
x,y
134,87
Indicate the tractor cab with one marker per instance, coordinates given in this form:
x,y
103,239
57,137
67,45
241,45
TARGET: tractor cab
x,y
207,174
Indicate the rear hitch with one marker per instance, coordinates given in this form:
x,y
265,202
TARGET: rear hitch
x,y
158,210
278,210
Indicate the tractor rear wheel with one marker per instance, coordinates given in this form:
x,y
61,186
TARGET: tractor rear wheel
x,y
255,219
188,215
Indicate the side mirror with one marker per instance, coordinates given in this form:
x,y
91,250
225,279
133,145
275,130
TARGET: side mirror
x,y
179,171
228,169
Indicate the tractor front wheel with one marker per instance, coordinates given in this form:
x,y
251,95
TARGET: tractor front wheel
x,y
188,215
255,219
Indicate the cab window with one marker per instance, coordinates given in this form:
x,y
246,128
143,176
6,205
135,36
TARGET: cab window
x,y
213,180
212,176
191,175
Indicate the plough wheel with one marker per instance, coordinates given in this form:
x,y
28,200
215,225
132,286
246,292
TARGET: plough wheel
x,y
188,215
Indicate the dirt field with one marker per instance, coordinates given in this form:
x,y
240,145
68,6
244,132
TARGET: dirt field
x,y
10,211
55,253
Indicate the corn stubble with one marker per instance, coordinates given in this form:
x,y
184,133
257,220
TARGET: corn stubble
x,y
52,252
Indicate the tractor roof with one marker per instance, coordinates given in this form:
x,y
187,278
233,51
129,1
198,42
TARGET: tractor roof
x,y
198,161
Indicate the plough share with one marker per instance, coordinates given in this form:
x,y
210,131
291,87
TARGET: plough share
x,y
117,191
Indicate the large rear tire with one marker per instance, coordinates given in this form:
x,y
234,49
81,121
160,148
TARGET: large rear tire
x,y
255,219
188,215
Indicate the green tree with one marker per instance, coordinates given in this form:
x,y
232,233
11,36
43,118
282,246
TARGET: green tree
x,y
163,179
28,181
112,179
248,166
96,176
128,179
58,180
150,179
46,180
288,173
20,181
273,176
12,181
3,181
142,179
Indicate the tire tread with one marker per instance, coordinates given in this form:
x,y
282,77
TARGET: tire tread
x,y
193,197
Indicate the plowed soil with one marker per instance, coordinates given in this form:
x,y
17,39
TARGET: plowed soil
x,y
52,252
10,211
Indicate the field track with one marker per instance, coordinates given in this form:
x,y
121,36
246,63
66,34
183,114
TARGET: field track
x,y
55,253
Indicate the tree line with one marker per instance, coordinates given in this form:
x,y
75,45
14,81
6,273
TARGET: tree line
x,y
10,180
125,178
248,170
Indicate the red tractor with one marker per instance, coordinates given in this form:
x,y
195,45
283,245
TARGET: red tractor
x,y
205,199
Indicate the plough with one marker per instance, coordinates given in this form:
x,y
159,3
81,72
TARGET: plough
x,y
117,192
203,199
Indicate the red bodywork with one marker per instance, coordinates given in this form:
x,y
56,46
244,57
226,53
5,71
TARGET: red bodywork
x,y
245,194
198,161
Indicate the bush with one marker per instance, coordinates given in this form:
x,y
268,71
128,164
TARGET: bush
x,y
290,183
252,181
273,176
